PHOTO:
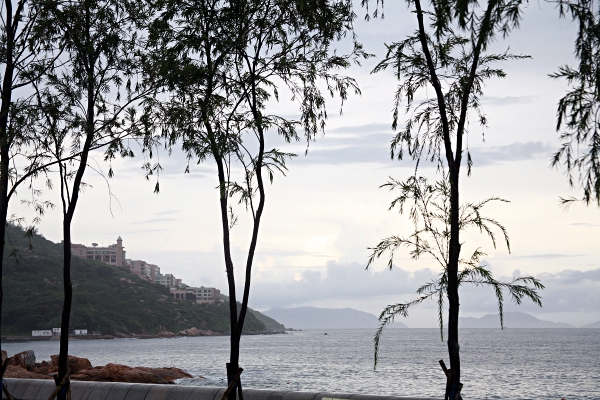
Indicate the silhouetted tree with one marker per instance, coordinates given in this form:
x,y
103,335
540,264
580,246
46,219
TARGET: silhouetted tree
x,y
22,60
429,209
87,102
221,62
454,67
578,110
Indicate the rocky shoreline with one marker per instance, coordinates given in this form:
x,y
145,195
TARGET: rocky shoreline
x,y
23,365
191,332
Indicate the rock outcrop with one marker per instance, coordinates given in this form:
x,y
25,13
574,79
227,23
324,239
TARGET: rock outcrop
x,y
13,371
75,364
82,370
24,359
123,373
196,332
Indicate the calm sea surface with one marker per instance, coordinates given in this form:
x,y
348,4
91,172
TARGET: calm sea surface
x,y
509,364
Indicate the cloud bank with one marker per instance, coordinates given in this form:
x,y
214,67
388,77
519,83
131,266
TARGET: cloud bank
x,y
566,291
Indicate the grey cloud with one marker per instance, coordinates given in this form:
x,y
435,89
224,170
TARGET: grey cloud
x,y
369,128
544,256
341,281
145,231
167,212
367,148
572,277
156,220
566,291
371,144
516,151
582,224
508,100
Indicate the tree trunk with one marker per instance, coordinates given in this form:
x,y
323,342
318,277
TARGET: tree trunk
x,y
234,350
69,205
4,138
3,215
66,313
453,298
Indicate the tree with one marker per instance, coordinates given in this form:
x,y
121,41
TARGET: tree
x,y
578,110
428,208
455,68
221,63
87,103
23,61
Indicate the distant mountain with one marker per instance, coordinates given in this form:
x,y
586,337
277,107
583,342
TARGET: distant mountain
x,y
326,318
511,320
594,325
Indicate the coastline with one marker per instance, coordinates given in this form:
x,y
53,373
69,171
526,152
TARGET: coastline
x,y
118,335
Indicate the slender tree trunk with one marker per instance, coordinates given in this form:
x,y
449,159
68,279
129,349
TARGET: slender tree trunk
x,y
69,205
66,312
259,212
453,298
3,215
454,173
4,139
234,337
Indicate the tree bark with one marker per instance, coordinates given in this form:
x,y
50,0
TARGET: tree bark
x,y
234,337
452,270
5,139
70,203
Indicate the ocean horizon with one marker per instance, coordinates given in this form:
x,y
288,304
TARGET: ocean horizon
x,y
496,364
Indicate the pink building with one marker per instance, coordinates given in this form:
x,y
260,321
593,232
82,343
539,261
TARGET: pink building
x,y
114,254
141,269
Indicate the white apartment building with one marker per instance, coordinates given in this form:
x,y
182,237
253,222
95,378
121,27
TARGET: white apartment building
x,y
207,294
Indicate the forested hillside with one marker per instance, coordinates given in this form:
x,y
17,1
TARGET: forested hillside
x,y
106,299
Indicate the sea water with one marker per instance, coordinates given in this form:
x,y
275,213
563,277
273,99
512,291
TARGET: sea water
x,y
496,364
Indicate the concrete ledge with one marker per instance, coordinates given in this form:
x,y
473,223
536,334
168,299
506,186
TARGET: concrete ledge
x,y
34,389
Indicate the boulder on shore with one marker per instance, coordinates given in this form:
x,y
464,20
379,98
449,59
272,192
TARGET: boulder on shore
x,y
82,370
14,371
196,332
74,364
123,373
24,359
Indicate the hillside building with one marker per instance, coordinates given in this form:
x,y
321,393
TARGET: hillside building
x,y
41,333
167,280
143,269
114,254
201,294
207,294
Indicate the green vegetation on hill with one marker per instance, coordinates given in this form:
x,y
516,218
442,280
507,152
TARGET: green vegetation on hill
x,y
106,299
269,322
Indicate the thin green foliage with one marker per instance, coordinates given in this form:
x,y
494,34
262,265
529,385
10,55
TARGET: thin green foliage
x,y
220,66
448,56
427,206
578,111
423,133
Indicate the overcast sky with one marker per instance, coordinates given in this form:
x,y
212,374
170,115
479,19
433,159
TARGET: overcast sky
x,y
321,218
